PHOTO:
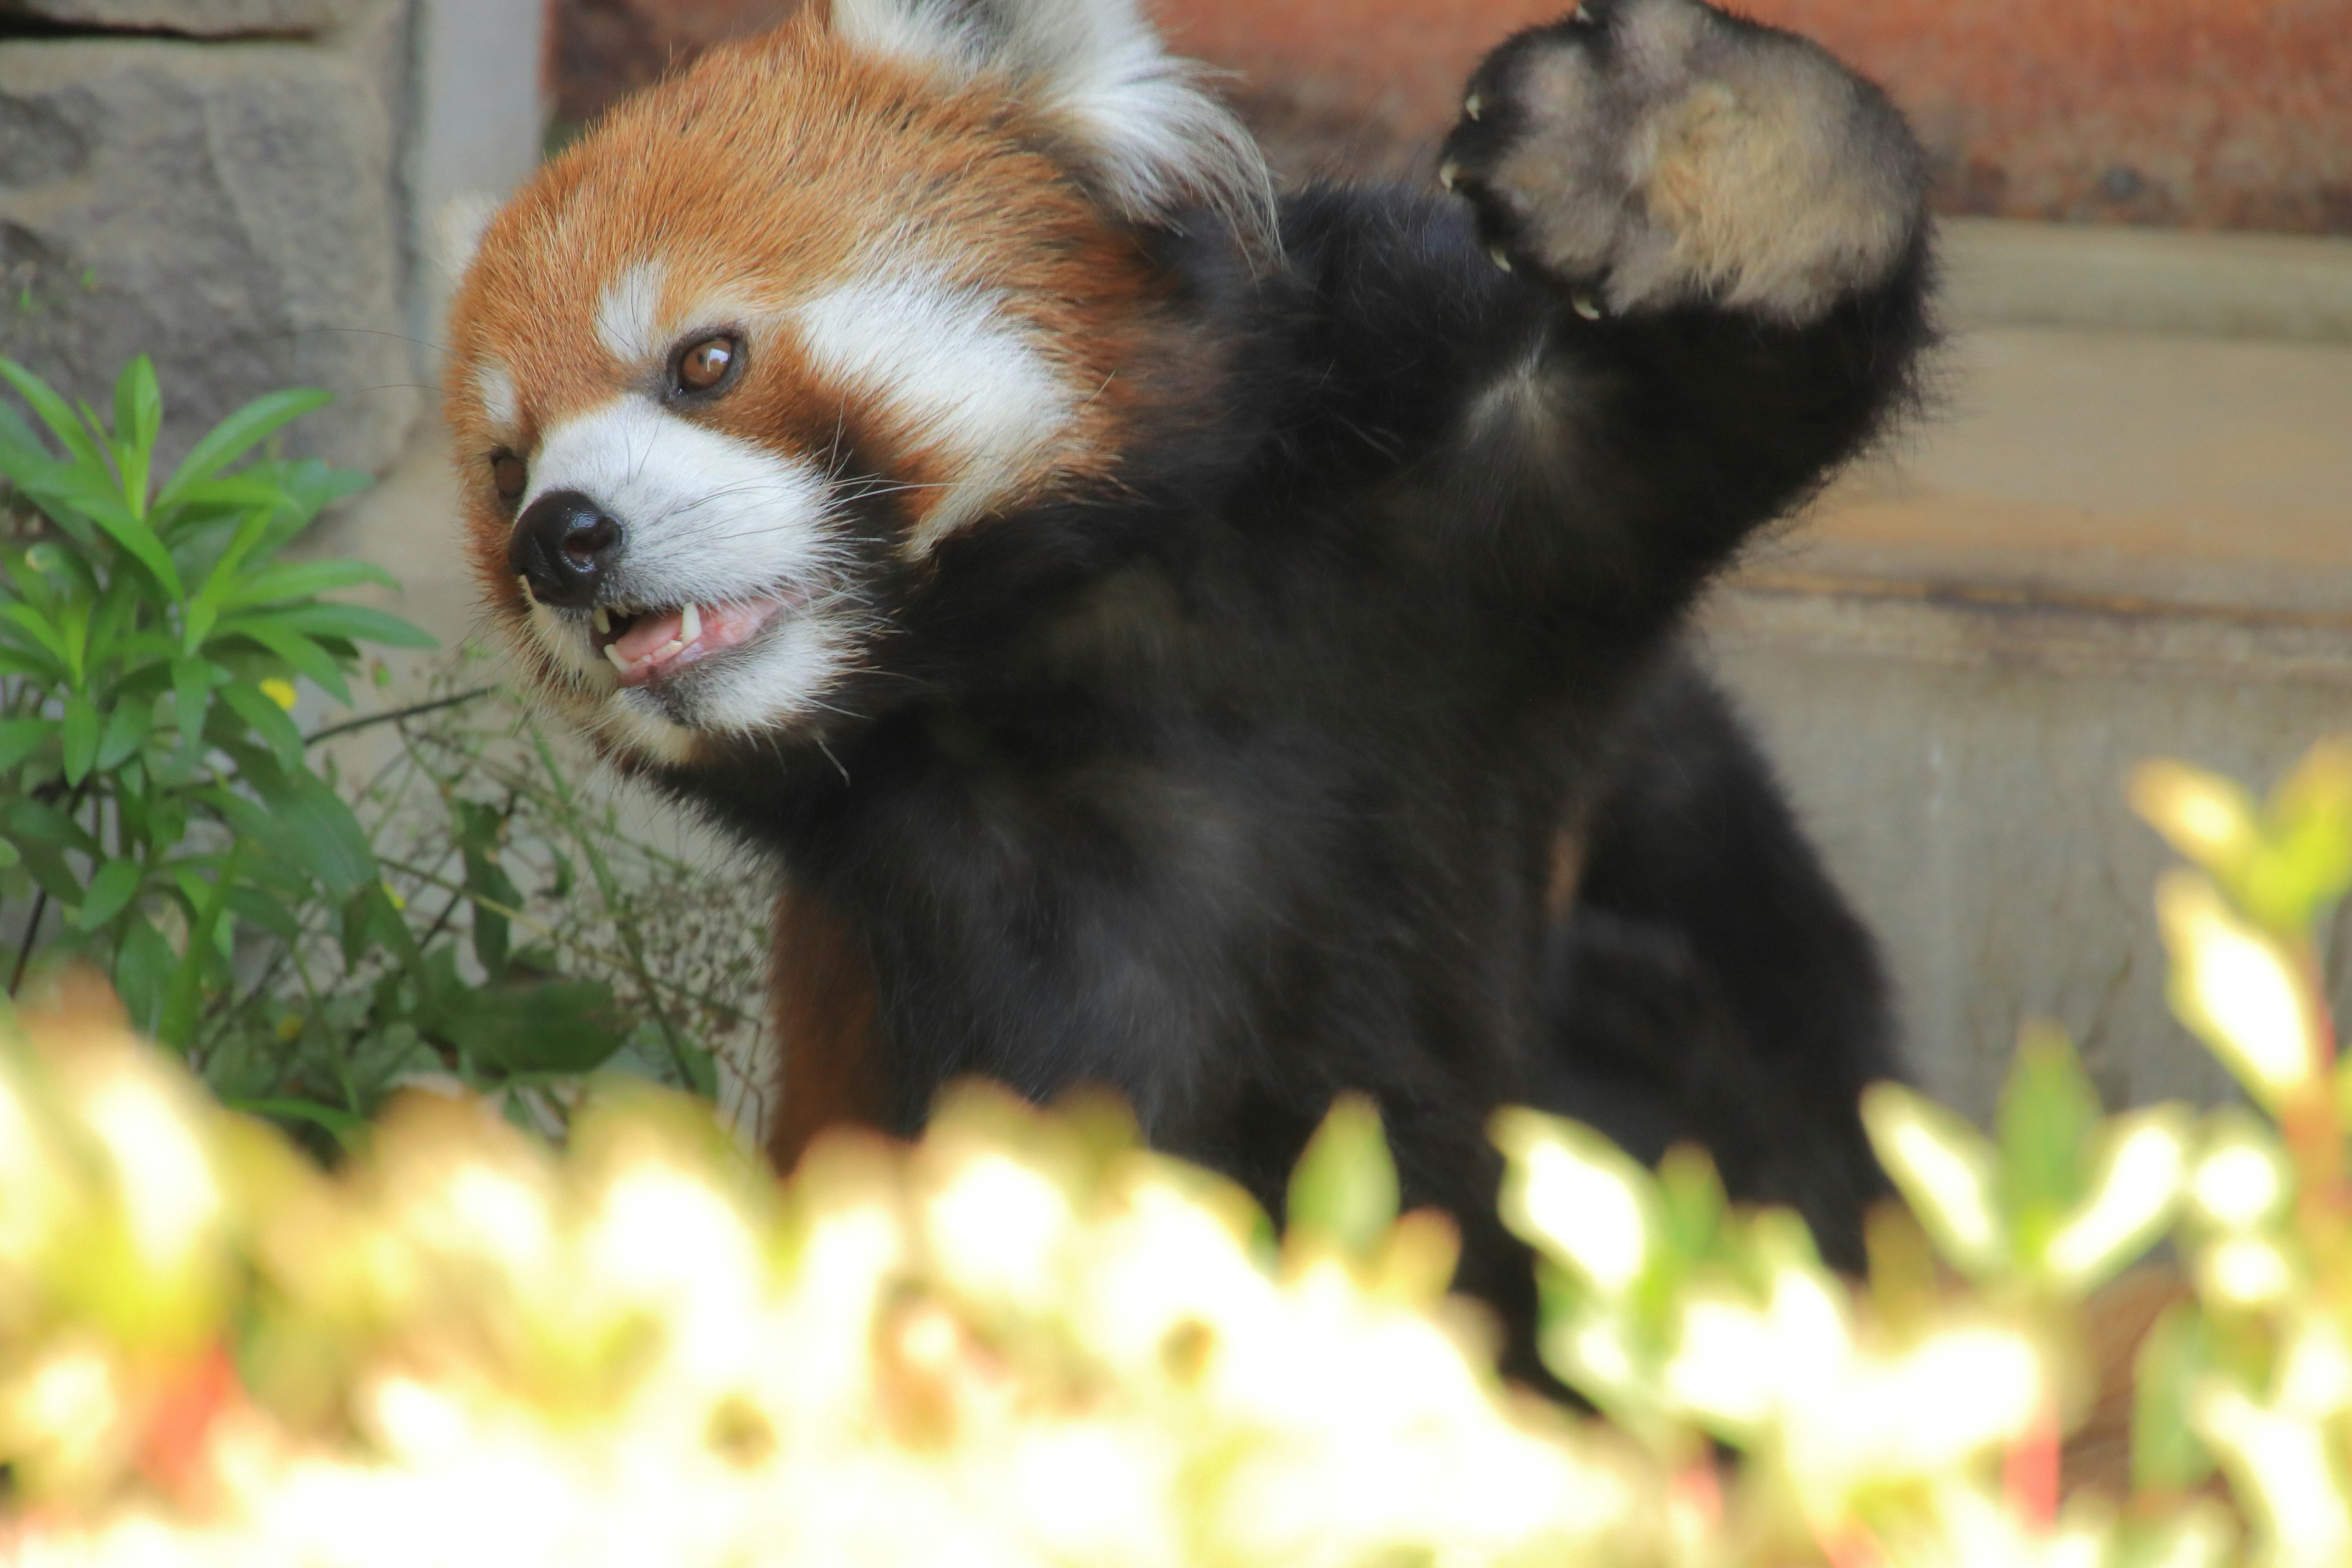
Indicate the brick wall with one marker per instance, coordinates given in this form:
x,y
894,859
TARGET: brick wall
x,y
2201,113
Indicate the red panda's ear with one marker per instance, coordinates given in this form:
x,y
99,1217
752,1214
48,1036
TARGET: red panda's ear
x,y
457,230
1156,139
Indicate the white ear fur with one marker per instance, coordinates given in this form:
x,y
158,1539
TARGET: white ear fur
x,y
457,231
1157,139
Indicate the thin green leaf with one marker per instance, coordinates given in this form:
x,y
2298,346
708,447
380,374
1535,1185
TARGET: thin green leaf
x,y
130,530
313,826
305,658
143,973
309,487
245,817
48,868
1948,1173
556,1025
20,737
41,628
137,419
267,720
238,434
73,626
37,822
80,734
127,728
357,623
701,1068
258,909
16,438
191,688
2048,1112
204,611
110,892
24,662
177,1026
1344,1191
2176,1356
305,579
53,411
31,468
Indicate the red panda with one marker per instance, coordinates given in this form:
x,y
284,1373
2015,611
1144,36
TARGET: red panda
x,y
1217,643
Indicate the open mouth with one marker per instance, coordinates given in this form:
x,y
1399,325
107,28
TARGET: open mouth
x,y
648,645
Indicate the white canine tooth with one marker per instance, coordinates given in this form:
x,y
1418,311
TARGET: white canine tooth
x,y
621,661
690,626
1474,106
603,619
1585,305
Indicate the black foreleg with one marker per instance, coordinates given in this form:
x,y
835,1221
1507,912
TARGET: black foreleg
x,y
1710,983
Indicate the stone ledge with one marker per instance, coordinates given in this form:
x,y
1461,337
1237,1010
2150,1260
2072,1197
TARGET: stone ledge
x,y
2184,474
2003,273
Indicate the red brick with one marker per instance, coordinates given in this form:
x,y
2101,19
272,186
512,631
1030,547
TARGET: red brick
x,y
2229,114
2209,113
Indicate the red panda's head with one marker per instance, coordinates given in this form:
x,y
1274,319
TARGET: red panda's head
x,y
875,264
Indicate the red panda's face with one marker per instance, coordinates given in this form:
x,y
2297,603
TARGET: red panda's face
x,y
787,323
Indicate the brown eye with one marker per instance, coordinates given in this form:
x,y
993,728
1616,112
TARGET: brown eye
x,y
508,472
705,365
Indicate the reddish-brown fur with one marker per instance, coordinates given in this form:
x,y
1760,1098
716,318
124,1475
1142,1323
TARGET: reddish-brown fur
x,y
823,996
766,173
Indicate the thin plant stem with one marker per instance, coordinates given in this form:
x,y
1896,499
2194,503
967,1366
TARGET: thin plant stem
x,y
395,716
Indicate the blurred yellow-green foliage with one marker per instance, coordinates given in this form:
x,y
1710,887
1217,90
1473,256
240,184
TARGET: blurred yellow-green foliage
x,y
1027,1340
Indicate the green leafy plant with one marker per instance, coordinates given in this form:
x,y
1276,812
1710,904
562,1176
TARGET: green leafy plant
x,y
530,934
310,918
161,798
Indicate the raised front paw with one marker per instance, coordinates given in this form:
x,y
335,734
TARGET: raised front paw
x,y
1652,152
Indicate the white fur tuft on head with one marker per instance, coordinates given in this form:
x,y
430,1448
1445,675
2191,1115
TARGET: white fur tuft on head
x,y
1156,137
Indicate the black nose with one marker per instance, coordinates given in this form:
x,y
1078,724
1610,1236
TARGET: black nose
x,y
562,545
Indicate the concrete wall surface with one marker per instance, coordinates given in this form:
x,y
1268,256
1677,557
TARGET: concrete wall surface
x,y
240,189
2101,546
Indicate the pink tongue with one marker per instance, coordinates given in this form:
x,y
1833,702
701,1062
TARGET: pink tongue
x,y
649,634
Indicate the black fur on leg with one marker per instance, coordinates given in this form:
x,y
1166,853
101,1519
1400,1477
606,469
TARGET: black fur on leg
x,y
1710,984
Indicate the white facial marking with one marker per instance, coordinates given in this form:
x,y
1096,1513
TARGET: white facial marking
x,y
628,317
708,519
963,378
496,388
637,727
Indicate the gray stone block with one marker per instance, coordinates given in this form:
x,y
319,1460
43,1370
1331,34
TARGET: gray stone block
x,y
231,209
195,18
